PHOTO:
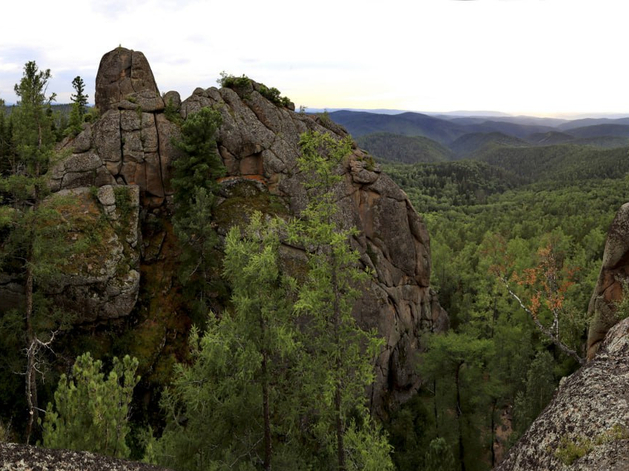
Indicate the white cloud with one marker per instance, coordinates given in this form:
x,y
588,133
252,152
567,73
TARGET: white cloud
x,y
433,55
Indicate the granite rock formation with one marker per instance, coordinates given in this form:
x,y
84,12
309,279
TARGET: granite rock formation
x,y
586,425
131,142
609,287
101,280
258,141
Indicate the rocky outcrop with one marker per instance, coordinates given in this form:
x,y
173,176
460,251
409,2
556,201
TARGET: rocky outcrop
x,y
131,143
609,287
124,81
586,425
258,141
14,457
100,279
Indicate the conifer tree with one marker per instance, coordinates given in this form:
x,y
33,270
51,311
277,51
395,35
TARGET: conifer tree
x,y
338,364
91,412
236,394
454,362
195,183
32,247
79,106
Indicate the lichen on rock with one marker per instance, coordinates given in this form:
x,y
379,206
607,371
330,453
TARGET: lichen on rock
x,y
586,425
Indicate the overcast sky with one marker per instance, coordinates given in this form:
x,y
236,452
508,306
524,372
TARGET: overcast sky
x,y
519,56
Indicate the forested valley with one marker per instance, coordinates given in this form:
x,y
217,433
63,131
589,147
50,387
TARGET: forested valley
x,y
517,237
269,368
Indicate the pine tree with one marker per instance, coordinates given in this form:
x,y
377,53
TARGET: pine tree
x,y
91,412
338,364
236,394
454,363
195,183
79,107
33,247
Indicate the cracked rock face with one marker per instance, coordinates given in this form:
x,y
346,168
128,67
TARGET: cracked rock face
x,y
125,79
609,287
589,414
131,143
258,141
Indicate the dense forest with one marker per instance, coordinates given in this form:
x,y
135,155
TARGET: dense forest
x,y
517,215
502,225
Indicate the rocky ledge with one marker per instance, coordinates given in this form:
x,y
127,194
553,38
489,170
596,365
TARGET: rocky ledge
x,y
14,457
586,425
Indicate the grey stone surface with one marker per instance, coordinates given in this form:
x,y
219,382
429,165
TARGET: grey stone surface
x,y
590,410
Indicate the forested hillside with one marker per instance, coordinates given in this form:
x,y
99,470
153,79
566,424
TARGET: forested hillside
x,y
500,227
518,220
222,283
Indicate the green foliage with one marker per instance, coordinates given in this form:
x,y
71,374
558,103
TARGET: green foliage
x,y
622,307
439,456
79,107
31,231
32,123
8,152
339,353
571,450
455,365
237,83
442,186
237,394
274,96
410,429
122,198
559,163
195,183
367,450
172,113
244,85
539,389
91,412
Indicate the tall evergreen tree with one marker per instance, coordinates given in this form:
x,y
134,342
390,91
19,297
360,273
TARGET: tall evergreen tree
x,y
79,106
454,363
339,360
237,395
195,183
32,247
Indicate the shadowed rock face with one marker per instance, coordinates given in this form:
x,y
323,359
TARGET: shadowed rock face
x,y
258,141
590,412
609,287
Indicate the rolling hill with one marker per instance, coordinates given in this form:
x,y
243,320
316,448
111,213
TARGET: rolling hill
x,y
405,149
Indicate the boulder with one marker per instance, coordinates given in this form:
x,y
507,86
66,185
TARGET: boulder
x,y
609,287
101,280
125,77
586,425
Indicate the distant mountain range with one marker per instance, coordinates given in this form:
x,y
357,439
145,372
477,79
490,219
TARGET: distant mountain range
x,y
394,137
